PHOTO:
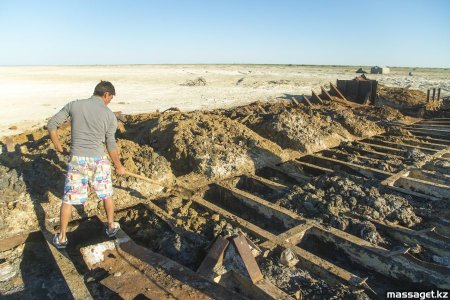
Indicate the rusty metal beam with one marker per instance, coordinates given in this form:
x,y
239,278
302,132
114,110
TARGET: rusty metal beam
x,y
316,97
376,258
336,91
307,100
73,279
380,148
380,141
363,170
325,93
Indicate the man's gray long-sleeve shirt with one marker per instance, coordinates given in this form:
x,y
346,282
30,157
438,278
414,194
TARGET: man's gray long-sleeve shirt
x,y
92,123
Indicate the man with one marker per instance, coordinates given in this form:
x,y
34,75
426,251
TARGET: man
x,y
93,123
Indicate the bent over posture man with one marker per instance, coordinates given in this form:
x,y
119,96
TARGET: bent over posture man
x,y
93,123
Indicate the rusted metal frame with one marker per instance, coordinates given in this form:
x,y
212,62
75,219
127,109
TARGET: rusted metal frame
x,y
398,265
307,259
441,130
296,233
435,122
316,97
296,102
400,145
380,148
213,258
325,92
428,238
412,193
312,166
275,186
383,155
268,209
436,141
249,261
336,91
363,245
300,178
235,220
433,189
307,100
429,176
366,246
365,171
73,279
261,290
426,133
136,254
339,155
283,172
411,141
431,126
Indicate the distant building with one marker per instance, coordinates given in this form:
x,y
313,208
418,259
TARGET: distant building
x,y
379,70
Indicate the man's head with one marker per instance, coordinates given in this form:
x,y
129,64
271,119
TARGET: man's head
x,y
105,90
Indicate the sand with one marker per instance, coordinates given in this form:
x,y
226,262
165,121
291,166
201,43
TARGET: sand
x,y
29,95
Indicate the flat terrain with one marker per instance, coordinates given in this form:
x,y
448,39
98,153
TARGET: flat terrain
x,y
29,95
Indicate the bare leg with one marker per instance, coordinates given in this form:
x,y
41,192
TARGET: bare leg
x,y
109,209
64,217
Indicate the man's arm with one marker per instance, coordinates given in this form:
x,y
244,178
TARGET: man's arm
x,y
54,123
112,146
115,157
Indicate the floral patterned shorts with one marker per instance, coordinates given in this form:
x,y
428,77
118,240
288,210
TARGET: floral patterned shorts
x,y
84,172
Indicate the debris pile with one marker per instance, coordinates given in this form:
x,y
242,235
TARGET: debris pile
x,y
197,82
207,144
402,95
332,198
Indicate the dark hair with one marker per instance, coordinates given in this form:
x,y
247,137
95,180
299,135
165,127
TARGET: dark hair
x,y
103,87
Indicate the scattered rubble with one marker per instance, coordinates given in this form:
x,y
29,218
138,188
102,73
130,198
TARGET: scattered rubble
x,y
200,81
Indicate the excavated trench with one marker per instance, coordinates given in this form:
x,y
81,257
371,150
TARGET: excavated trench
x,y
363,211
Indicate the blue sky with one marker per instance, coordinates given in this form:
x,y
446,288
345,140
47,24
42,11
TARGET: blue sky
x,y
345,32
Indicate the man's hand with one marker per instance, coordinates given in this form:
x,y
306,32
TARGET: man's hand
x,y
120,170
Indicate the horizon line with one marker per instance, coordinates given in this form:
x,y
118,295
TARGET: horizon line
x,y
199,64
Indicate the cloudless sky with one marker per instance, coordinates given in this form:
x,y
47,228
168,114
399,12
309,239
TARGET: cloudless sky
x,y
344,32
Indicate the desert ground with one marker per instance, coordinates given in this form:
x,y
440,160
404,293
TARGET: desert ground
x,y
30,94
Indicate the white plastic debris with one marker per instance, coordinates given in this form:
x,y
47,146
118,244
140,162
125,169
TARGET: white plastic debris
x,y
288,258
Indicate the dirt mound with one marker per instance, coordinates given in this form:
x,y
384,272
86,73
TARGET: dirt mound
x,y
329,198
143,160
305,131
402,95
196,82
207,144
357,124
